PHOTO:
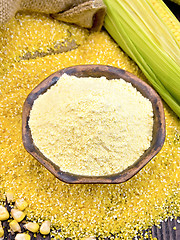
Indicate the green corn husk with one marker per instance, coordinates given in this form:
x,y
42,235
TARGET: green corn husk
x,y
142,33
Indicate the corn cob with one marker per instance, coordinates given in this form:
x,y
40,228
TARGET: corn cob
x,y
142,32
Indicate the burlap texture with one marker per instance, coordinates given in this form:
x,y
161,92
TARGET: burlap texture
x,y
85,13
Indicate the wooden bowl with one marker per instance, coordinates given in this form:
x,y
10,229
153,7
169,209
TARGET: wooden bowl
x,y
110,73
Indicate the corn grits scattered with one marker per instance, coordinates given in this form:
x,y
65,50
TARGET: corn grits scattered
x,y
79,210
92,126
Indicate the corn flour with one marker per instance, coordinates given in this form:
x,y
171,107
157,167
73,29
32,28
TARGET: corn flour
x,y
92,126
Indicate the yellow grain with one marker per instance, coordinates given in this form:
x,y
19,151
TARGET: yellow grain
x,y
22,236
17,215
1,230
45,227
32,226
14,226
10,196
21,204
4,214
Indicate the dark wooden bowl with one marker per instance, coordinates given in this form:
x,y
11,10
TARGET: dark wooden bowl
x,y
110,73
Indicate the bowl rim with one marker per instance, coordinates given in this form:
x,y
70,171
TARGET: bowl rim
x,y
109,72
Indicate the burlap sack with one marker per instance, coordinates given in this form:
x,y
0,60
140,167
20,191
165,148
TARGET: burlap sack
x,y
85,13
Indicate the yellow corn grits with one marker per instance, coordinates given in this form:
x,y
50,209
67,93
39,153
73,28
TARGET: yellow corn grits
x,y
79,210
